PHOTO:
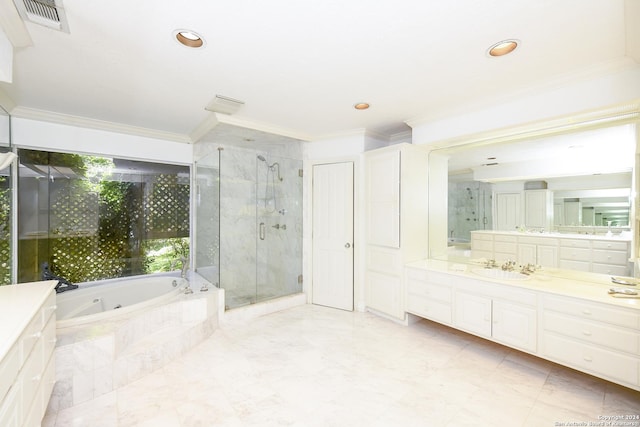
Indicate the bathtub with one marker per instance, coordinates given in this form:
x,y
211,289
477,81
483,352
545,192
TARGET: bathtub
x,y
98,352
95,302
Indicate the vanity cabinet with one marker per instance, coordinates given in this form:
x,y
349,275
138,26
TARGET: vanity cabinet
x,y
594,338
429,295
496,312
538,251
596,254
396,202
27,341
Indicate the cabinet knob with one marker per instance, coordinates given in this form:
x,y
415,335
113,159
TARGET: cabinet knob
x,y
347,245
587,358
587,333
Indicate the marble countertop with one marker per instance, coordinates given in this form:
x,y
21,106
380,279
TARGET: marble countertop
x,y
587,286
18,304
615,237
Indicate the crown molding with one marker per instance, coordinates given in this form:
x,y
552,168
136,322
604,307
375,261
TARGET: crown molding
x,y
84,122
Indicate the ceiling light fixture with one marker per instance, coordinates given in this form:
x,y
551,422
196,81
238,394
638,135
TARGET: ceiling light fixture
x,y
503,48
361,106
188,38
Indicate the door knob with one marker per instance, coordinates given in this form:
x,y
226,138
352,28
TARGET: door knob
x,y
348,245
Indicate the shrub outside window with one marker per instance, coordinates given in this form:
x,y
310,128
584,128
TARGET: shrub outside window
x,y
93,218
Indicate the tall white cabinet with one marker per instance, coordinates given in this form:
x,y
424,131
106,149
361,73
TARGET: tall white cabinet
x,y
396,223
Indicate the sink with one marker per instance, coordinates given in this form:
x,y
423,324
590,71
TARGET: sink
x,y
493,273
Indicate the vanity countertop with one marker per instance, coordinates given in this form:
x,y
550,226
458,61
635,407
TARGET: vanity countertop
x,y
615,237
587,286
18,304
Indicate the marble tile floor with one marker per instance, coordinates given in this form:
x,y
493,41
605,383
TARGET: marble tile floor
x,y
317,366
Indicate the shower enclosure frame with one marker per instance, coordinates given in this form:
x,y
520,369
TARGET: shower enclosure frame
x,y
254,251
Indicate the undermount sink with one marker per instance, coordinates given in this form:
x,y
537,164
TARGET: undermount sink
x,y
493,273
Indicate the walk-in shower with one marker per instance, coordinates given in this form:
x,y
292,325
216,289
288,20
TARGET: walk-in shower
x,y
249,223
469,209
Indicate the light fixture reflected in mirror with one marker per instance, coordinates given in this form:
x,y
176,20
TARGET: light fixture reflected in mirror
x,y
6,159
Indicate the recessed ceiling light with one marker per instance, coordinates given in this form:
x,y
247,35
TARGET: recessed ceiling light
x,y
361,106
502,48
188,38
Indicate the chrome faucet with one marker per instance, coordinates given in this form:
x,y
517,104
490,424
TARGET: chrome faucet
x,y
185,267
491,263
529,269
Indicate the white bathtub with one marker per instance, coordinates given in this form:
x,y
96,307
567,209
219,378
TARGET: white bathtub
x,y
91,303
99,352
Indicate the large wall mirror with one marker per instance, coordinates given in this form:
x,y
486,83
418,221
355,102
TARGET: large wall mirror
x,y
586,176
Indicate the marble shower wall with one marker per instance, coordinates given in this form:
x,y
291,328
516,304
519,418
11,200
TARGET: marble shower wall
x,y
250,193
469,208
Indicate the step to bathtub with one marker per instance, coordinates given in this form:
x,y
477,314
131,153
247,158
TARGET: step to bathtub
x,y
167,333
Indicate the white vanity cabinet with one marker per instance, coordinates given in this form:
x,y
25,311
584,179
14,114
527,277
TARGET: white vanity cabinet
x,y
429,295
396,228
541,251
595,254
594,338
27,341
497,312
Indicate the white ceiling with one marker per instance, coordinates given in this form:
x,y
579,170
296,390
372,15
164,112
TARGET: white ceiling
x,y
299,66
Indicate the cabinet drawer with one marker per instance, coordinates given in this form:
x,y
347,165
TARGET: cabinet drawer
x,y
482,245
596,333
614,246
596,312
32,375
610,257
10,409
421,289
504,238
48,308
481,236
591,359
538,240
30,336
504,247
615,270
573,254
9,369
574,265
575,243
434,310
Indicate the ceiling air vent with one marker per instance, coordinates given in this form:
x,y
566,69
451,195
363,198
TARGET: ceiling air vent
x,y
49,13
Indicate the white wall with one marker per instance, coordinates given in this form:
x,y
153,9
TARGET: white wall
x,y
28,133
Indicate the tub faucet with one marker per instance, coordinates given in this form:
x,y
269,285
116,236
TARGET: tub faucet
x,y
63,284
185,267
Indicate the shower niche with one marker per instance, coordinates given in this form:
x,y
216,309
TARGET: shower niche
x,y
249,223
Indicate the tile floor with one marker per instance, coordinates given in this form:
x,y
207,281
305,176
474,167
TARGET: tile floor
x,y
316,366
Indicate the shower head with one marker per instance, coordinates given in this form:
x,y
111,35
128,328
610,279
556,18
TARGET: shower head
x,y
261,158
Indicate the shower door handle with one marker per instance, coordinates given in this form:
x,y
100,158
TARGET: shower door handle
x,y
262,231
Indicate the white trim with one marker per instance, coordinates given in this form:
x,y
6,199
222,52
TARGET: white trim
x,y
84,122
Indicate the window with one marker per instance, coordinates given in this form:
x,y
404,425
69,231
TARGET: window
x,y
91,218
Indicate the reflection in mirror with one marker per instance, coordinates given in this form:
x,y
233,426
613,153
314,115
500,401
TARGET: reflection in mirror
x,y
569,184
5,202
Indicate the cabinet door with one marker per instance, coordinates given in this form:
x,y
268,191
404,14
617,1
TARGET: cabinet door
x,y
384,294
547,256
514,325
527,253
538,209
383,199
507,211
473,313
